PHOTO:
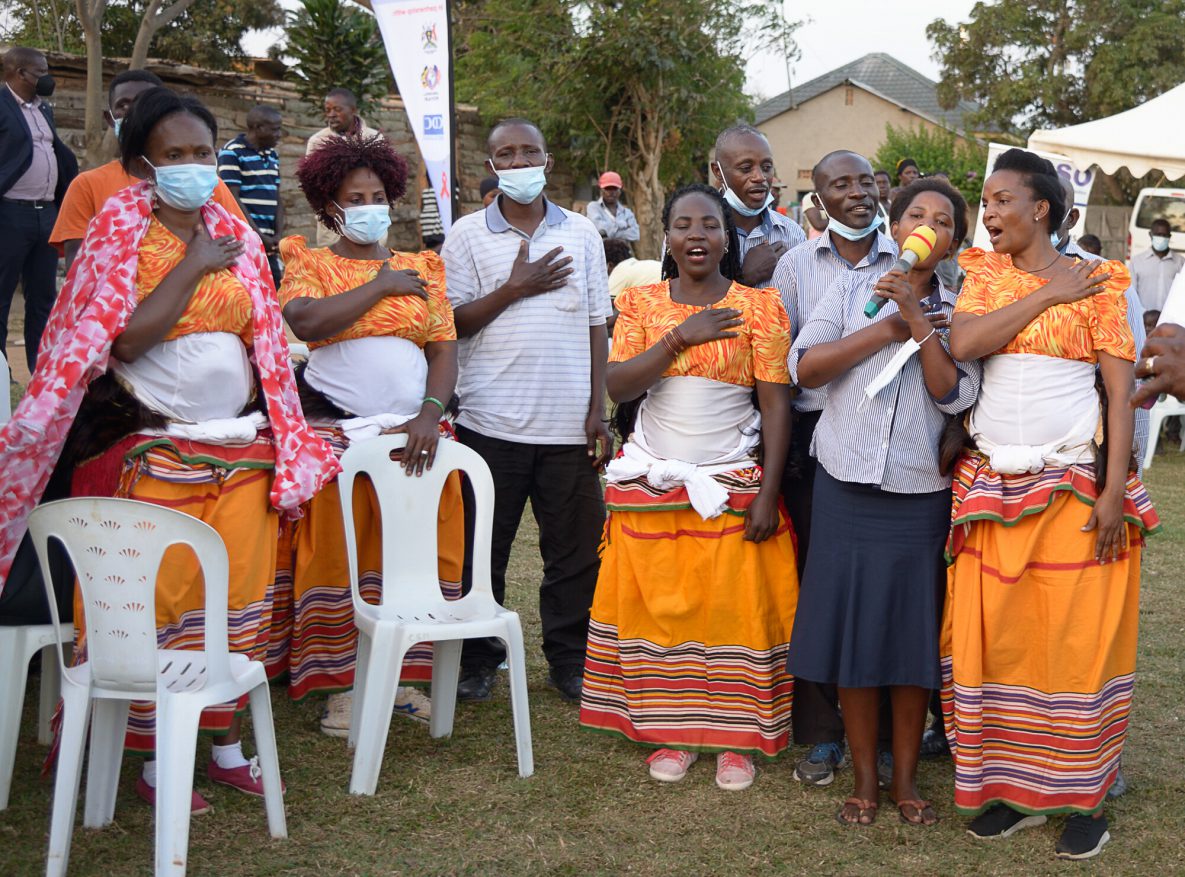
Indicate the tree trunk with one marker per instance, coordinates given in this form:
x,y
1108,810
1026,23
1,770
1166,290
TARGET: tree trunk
x,y
648,136
90,14
154,19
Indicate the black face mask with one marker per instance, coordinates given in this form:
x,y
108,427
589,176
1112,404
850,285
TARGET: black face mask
x,y
45,85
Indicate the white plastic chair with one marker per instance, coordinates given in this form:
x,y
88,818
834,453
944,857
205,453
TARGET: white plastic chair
x,y
1169,406
116,546
18,645
413,610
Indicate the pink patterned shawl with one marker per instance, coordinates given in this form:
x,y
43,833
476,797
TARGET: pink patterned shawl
x,y
92,309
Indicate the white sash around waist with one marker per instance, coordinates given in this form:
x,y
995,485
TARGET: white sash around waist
x,y
711,423
193,379
381,375
1035,411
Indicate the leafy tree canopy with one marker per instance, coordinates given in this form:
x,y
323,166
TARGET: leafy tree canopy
x,y
1051,63
936,150
207,34
640,86
336,45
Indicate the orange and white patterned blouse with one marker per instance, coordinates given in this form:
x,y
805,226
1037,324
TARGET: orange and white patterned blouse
x,y
1077,330
219,304
758,353
320,273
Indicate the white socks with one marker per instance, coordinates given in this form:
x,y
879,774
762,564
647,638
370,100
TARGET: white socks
x,y
230,756
226,757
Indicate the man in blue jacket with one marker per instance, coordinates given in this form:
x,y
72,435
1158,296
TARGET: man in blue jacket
x,y
36,167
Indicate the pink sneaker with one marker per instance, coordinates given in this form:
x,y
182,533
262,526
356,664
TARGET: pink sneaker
x,y
247,778
670,765
198,805
734,772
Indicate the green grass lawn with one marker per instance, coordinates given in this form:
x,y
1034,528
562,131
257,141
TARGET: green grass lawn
x,y
457,806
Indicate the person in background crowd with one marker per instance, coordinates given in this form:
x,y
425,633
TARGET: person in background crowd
x,y
489,190
36,168
816,216
341,120
778,188
940,175
612,218
744,172
907,171
868,614
1048,525
530,297
382,358
1154,270
686,655
626,271
250,166
884,186
194,406
853,243
1090,243
1150,320
90,189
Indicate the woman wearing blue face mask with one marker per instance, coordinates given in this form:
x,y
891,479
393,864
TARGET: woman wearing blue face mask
x,y
383,359
170,302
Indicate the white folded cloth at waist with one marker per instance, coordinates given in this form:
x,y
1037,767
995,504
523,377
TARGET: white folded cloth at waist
x,y
359,429
713,420
707,497
1020,419
219,431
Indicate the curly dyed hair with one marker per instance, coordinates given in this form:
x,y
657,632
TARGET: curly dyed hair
x,y
322,172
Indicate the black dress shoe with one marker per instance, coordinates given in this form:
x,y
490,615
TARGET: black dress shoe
x,y
476,683
568,681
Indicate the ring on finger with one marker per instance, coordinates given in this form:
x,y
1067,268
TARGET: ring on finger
x,y
1150,365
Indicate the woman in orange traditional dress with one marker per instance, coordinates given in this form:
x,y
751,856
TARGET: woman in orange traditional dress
x,y
695,598
170,302
1048,523
382,359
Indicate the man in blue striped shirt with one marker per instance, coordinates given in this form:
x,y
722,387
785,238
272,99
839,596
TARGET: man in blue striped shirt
x,y
855,243
250,167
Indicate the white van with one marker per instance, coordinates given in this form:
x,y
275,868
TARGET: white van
x,y
1153,204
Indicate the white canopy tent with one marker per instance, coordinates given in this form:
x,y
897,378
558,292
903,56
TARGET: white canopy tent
x,y
1145,138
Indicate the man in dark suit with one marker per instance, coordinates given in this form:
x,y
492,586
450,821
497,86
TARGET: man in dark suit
x,y
35,169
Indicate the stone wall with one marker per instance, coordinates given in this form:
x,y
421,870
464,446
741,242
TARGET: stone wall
x,y
231,95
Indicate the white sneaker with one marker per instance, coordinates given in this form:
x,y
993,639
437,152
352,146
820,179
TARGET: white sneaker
x,y
335,721
670,765
734,772
412,703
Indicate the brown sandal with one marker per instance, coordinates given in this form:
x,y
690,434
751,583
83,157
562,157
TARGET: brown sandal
x,y
920,807
862,807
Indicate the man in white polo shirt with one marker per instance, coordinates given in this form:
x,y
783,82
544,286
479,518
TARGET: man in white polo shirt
x,y
530,297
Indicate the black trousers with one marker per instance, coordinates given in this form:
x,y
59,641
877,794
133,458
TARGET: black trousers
x,y
27,258
566,500
815,718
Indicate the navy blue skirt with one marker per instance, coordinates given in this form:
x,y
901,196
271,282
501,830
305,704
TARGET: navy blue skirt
x,y
870,603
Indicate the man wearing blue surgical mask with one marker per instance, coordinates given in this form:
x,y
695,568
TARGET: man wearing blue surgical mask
x,y
744,172
1153,270
530,297
855,242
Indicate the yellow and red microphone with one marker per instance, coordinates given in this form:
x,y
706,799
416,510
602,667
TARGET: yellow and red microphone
x,y
917,248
